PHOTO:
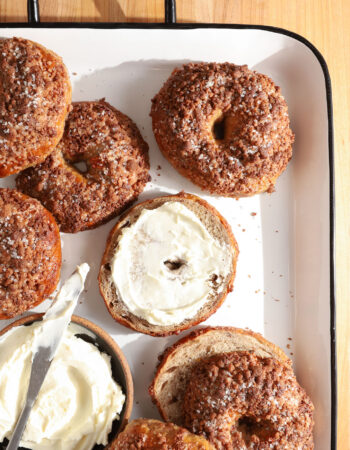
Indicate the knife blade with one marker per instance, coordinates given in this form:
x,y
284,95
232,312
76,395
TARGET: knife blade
x,y
46,342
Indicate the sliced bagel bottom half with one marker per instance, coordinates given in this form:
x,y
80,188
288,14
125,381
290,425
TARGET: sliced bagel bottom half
x,y
209,229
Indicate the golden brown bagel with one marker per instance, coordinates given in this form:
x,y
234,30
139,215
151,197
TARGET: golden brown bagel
x,y
241,400
30,253
116,159
224,127
35,97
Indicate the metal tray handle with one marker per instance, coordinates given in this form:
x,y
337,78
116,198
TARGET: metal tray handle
x,y
34,13
170,11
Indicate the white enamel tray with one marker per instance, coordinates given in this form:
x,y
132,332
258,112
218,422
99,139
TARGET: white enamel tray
x,y
284,285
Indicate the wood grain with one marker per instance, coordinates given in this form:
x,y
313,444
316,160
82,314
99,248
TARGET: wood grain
x,y
326,24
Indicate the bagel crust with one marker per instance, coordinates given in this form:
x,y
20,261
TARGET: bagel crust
x,y
35,97
224,127
149,434
117,165
241,400
30,253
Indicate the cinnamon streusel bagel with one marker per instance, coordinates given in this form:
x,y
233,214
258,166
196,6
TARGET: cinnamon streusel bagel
x,y
35,97
149,434
30,253
236,389
224,127
116,159
241,400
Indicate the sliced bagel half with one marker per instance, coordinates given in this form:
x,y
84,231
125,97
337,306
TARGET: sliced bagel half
x,y
176,363
168,265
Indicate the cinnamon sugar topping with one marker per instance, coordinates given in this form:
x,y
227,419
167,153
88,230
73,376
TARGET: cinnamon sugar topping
x,y
239,400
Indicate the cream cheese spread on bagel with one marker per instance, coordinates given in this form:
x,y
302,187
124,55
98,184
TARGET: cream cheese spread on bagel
x,y
167,264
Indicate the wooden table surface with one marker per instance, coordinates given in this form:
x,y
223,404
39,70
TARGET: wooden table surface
x,y
326,24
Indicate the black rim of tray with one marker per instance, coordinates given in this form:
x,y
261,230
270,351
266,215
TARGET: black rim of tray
x,y
170,23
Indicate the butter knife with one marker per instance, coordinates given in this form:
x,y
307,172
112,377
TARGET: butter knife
x,y
46,342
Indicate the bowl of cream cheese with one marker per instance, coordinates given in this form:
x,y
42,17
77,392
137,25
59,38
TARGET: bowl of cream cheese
x,y
86,397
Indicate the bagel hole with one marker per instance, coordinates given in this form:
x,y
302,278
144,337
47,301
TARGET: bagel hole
x,y
249,426
225,126
175,264
80,166
219,129
215,280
